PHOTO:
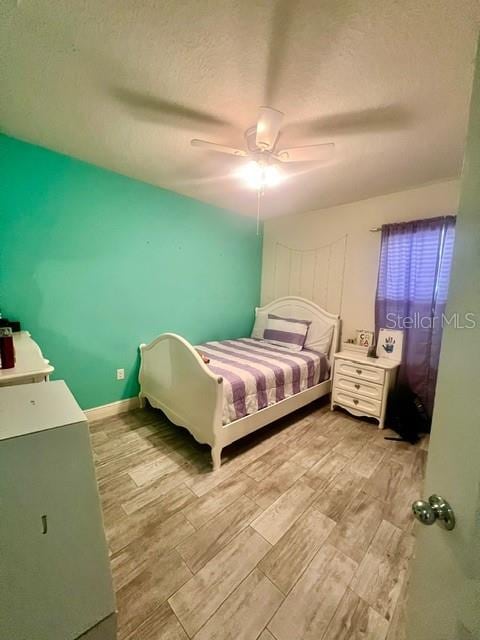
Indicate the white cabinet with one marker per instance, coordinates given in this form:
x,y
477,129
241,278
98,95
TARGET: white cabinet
x,y
55,573
361,385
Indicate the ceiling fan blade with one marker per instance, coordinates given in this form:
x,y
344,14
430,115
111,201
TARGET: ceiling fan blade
x,y
310,153
282,15
150,107
392,117
211,146
268,128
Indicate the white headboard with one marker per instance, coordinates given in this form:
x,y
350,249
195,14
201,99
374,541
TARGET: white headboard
x,y
295,307
316,274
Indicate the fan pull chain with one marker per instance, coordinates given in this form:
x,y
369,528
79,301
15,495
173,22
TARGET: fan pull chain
x,y
260,193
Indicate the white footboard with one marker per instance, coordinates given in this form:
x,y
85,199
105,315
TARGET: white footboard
x,y
174,378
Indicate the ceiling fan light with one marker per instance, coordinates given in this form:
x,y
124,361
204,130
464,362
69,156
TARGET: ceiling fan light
x,y
250,173
272,175
258,176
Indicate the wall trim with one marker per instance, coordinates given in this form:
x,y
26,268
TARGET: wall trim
x,y
112,409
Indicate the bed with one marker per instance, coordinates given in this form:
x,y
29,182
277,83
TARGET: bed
x,y
222,391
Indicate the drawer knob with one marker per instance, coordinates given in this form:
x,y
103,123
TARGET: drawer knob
x,y
357,386
355,401
359,371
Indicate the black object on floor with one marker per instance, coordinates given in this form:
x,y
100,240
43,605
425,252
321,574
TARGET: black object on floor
x,y
407,415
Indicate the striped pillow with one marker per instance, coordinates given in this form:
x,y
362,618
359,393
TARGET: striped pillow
x,y
286,332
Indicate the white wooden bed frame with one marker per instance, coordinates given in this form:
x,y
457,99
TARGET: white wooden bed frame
x,y
174,378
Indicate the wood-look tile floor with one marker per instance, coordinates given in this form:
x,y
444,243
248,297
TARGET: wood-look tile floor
x,y
304,533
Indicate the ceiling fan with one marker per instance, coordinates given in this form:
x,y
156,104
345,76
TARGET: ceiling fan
x,y
261,147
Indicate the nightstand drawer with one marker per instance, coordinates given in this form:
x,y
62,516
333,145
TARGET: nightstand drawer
x,y
364,405
358,387
360,371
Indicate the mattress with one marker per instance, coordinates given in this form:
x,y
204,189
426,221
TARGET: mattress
x,y
257,374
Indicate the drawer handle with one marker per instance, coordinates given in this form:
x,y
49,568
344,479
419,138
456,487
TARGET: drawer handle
x,y
357,386
359,371
355,401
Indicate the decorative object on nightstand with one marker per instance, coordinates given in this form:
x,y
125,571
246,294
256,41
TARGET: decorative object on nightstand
x,y
361,384
365,338
390,344
13,324
7,348
30,365
361,343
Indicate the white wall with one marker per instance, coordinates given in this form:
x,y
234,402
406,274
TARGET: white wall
x,y
326,228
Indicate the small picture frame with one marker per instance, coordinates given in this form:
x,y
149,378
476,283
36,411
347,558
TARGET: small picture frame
x,y
364,338
390,344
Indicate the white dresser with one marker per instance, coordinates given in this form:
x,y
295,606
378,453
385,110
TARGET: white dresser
x,y
361,385
30,365
54,566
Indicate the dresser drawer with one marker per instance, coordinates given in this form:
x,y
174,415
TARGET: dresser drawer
x,y
359,371
364,405
358,387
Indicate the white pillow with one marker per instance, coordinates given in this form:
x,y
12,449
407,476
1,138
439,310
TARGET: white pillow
x,y
322,340
260,324
319,336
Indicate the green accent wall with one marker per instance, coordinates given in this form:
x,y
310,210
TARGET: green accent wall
x,y
93,264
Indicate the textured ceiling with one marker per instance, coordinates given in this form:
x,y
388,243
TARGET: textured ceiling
x,y
126,84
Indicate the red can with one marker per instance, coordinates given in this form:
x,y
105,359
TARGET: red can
x,y
7,349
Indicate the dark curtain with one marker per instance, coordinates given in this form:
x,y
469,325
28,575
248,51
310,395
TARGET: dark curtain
x,y
413,277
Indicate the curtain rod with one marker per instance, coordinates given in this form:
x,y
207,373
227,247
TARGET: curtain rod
x,y
375,229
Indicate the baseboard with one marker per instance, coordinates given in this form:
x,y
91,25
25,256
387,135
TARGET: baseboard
x,y
112,409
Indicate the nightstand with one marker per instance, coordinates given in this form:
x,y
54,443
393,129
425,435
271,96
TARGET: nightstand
x,y
361,385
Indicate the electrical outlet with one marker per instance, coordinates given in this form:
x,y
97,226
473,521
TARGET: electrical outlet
x,y
120,374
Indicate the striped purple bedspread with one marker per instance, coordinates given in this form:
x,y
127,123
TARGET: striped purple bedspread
x,y
257,374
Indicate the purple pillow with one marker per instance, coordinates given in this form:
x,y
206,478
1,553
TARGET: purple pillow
x,y
286,332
